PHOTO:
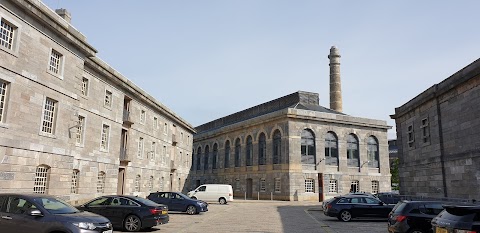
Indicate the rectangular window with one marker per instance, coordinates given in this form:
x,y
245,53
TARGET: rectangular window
x,y
263,185
278,185
332,186
74,185
6,34
374,186
142,116
140,148
309,188
425,130
108,98
84,86
105,136
237,185
411,135
55,64
153,151
165,128
164,154
155,123
80,129
3,99
49,114
188,140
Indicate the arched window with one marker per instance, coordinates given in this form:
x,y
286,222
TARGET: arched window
x,y
161,183
352,151
137,183
237,152
41,179
205,158
101,182
372,152
74,185
199,156
262,149
227,155
214,156
193,159
308,147
150,184
277,147
375,185
249,151
331,149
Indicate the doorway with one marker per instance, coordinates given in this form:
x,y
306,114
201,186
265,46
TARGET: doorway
x,y
121,180
249,188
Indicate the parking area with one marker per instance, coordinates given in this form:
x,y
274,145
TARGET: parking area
x,y
266,217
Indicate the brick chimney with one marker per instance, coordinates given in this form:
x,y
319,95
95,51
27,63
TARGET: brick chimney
x,y
335,83
64,14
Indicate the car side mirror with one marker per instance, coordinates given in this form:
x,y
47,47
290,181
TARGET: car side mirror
x,y
36,213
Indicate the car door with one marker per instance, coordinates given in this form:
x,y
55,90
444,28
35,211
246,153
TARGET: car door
x,y
98,206
114,211
357,206
15,216
201,193
376,208
3,207
177,202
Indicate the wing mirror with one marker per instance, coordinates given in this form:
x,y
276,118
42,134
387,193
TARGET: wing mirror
x,y
36,213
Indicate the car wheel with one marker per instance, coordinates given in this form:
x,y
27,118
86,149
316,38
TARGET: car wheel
x,y
222,201
194,198
132,223
416,231
345,216
191,210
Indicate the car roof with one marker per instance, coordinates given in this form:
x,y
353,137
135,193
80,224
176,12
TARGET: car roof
x,y
27,195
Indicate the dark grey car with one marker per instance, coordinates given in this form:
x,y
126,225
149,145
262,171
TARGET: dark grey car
x,y
27,213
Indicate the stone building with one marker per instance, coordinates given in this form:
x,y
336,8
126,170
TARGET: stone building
x,y
71,125
291,148
438,138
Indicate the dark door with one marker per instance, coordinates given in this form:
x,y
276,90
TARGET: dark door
x,y
15,217
249,188
320,187
120,182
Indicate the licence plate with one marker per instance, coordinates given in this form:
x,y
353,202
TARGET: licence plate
x,y
441,230
164,212
109,231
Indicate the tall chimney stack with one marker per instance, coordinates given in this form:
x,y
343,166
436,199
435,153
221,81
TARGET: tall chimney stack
x,y
335,83
64,14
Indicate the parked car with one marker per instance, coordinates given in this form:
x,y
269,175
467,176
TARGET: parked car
x,y
457,219
179,202
222,193
128,212
413,216
353,206
25,213
388,197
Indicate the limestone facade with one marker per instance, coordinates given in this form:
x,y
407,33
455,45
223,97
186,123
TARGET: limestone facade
x,y
71,125
289,172
438,139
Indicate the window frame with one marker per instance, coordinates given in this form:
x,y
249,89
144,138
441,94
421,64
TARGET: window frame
x,y
41,180
101,176
309,185
277,147
143,116
105,138
410,135
138,180
84,89
278,185
75,181
262,149
108,99
375,186
17,28
53,115
307,145
140,147
59,66
425,129
333,186
262,185
4,93
80,132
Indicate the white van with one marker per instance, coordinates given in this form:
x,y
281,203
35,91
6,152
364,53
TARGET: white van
x,y
222,193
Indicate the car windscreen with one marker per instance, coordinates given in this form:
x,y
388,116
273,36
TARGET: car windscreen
x,y
144,201
459,214
56,206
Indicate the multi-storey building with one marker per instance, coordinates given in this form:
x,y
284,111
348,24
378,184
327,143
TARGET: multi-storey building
x,y
291,148
438,138
71,125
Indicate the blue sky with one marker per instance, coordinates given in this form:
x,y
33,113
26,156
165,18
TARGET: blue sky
x,y
210,58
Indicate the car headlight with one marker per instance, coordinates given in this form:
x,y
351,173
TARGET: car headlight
x,y
200,203
84,225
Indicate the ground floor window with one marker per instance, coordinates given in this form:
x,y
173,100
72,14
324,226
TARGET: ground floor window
x,y
309,187
332,186
277,185
237,184
263,185
354,186
374,186
41,179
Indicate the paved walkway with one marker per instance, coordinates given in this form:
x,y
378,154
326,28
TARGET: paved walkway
x,y
249,216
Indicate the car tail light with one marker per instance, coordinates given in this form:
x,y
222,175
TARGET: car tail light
x,y
329,206
400,218
155,211
464,231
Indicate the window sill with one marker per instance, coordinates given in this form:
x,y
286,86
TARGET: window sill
x,y
59,76
47,135
79,145
9,51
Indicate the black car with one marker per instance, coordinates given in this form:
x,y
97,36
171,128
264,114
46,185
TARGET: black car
x,y
128,212
26,213
352,206
457,219
388,197
179,202
413,216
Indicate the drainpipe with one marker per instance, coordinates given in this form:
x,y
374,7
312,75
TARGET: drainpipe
x,y
440,137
